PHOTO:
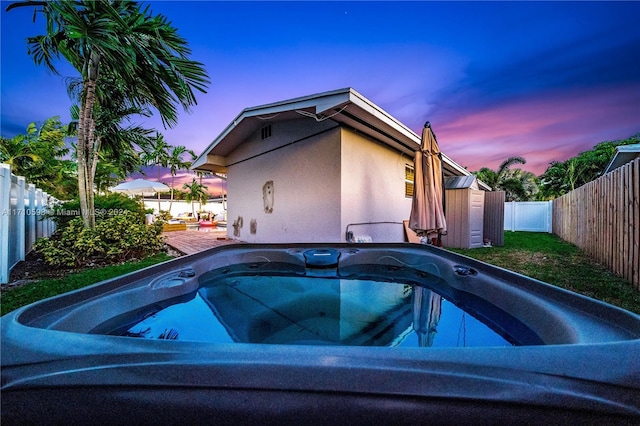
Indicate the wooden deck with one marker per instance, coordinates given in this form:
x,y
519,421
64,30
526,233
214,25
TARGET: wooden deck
x,y
195,241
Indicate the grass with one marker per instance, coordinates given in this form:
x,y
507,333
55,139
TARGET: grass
x,y
548,258
42,289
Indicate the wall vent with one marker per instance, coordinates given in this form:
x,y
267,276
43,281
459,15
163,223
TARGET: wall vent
x,y
266,132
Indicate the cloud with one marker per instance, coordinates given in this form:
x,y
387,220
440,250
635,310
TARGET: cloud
x,y
545,127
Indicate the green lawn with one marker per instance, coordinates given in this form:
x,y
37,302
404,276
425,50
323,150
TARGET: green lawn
x,y
548,258
42,289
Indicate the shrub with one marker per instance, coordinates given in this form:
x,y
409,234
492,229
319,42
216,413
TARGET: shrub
x,y
109,205
114,239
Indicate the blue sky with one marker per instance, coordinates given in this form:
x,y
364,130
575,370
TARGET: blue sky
x,y
542,80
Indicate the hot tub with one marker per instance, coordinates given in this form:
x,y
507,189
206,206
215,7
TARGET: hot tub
x,y
316,333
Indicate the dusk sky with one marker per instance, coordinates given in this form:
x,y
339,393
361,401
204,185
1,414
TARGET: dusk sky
x,y
542,80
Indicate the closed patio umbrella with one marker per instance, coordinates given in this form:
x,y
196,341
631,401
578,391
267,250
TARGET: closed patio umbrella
x,y
427,209
427,309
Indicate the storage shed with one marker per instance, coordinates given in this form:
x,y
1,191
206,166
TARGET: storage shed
x,y
464,209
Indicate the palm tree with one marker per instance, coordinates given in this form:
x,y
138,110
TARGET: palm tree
x,y
142,52
176,163
39,154
503,180
157,152
117,157
195,192
494,178
519,185
19,151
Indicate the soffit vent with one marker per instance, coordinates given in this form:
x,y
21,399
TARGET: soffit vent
x,y
266,132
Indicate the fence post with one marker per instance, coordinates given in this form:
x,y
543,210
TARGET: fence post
x,y
20,220
40,229
550,217
49,224
30,231
5,206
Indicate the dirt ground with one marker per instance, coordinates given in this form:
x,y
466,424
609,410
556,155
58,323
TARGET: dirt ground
x,y
34,268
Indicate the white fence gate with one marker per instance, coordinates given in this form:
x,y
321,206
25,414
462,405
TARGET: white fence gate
x,y
22,219
531,216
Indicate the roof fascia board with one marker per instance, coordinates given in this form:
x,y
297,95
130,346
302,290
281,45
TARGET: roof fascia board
x,y
329,100
322,102
455,165
381,114
388,119
623,155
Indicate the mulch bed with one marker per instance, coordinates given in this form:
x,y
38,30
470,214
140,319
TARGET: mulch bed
x,y
34,268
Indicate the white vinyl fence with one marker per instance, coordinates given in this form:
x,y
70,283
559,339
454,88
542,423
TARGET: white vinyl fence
x,y
22,211
530,216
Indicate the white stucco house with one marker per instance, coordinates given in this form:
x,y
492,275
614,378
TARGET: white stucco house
x,y
315,168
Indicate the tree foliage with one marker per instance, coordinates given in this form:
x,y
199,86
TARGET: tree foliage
x,y
41,156
118,49
177,162
195,192
517,184
111,204
565,176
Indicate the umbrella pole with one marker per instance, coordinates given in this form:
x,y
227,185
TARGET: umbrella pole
x,y
444,196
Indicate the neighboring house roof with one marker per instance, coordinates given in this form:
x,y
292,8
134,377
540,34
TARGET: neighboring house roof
x,y
624,154
345,106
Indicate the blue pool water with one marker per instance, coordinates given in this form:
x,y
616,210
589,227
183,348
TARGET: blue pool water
x,y
313,311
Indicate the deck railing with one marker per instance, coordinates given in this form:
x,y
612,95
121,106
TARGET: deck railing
x,y
603,219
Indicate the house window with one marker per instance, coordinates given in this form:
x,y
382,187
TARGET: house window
x,y
266,131
409,179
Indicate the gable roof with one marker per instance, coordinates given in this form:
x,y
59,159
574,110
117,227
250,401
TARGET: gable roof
x,y
624,154
344,106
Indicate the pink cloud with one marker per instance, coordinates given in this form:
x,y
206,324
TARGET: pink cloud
x,y
541,128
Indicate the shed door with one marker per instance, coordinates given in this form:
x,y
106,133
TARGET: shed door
x,y
476,218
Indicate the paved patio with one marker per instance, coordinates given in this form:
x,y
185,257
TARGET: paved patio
x,y
194,241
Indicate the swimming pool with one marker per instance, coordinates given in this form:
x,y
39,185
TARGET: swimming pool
x,y
313,332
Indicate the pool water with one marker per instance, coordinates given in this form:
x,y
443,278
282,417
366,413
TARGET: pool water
x,y
303,310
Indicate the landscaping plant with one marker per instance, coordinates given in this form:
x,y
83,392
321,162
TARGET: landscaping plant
x,y
114,239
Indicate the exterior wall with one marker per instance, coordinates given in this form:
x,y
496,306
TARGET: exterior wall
x,y
372,189
282,133
305,174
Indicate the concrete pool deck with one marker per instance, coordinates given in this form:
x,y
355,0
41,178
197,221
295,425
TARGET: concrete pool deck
x,y
195,241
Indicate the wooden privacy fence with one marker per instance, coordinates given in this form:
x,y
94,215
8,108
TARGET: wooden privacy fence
x,y
602,218
23,208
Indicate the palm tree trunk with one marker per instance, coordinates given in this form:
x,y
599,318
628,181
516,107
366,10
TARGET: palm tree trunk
x,y
84,154
86,149
171,200
158,179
